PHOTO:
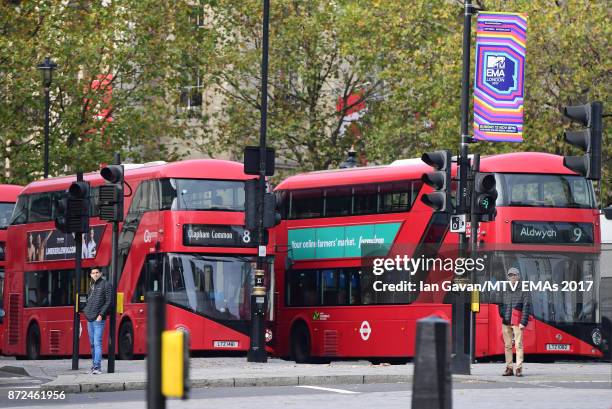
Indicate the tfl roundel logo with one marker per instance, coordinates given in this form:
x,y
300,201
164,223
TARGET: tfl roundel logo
x,y
365,330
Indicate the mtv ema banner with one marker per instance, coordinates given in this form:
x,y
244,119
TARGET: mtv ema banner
x,y
500,74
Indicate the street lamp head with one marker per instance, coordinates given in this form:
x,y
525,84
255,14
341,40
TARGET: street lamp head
x,y
351,160
46,69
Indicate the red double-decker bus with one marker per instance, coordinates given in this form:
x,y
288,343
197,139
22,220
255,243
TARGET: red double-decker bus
x,y
8,197
183,235
332,303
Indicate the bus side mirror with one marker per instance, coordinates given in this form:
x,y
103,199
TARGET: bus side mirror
x,y
608,212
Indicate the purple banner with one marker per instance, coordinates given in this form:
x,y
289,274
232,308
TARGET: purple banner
x,y
500,74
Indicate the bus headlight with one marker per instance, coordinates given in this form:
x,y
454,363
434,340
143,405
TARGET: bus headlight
x,y
596,336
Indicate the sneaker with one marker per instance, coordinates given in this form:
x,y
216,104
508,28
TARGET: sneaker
x,y
509,372
96,372
519,372
90,370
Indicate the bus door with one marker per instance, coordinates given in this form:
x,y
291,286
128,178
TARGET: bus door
x,y
133,331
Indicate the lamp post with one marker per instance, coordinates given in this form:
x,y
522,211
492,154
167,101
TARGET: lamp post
x,y
46,69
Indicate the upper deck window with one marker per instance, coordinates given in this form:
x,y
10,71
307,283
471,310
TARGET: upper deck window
x,y
372,198
537,190
6,210
201,194
41,207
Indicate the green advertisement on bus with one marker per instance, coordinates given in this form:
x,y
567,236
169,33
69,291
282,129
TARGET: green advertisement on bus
x,y
342,241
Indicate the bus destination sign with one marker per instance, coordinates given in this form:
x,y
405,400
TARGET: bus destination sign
x,y
217,236
552,233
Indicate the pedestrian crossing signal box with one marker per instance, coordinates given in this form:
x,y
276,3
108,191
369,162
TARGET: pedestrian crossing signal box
x,y
175,364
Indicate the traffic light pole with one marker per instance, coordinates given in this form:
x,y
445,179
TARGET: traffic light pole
x,y
257,348
460,363
474,225
76,325
115,274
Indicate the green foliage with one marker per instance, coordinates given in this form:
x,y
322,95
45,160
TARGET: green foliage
x,y
405,56
402,56
141,46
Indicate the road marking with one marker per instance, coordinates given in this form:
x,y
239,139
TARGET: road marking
x,y
327,389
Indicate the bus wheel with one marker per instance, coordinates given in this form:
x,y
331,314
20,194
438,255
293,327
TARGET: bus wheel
x,y
300,343
33,342
126,341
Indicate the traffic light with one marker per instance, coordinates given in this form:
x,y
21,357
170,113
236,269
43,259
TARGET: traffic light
x,y
111,194
440,180
251,198
589,139
60,212
271,214
72,209
484,195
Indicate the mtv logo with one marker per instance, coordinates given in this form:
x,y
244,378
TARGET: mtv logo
x,y
494,61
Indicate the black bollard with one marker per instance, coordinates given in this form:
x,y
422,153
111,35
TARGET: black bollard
x,y
431,386
156,323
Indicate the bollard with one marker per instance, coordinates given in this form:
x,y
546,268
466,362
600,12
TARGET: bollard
x,y
156,323
431,387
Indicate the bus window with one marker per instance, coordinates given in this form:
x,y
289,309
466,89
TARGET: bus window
x,y
395,197
174,283
354,288
40,208
20,213
329,289
168,194
216,287
366,199
338,201
51,288
303,288
6,210
150,279
194,194
306,204
559,307
546,191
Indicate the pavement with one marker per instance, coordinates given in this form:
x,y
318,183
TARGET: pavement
x,y
211,372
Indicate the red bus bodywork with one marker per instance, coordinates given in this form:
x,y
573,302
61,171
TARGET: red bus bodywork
x,y
8,196
142,236
388,330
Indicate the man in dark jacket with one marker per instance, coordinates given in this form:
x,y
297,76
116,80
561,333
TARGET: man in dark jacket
x,y
514,311
98,305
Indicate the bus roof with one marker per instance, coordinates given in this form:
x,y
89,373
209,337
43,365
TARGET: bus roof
x,y
354,176
9,193
188,169
519,162
524,162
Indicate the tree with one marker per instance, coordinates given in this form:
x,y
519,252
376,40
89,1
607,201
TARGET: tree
x,y
116,88
405,56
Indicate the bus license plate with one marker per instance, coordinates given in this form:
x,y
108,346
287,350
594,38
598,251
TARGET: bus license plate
x,y
225,344
557,347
